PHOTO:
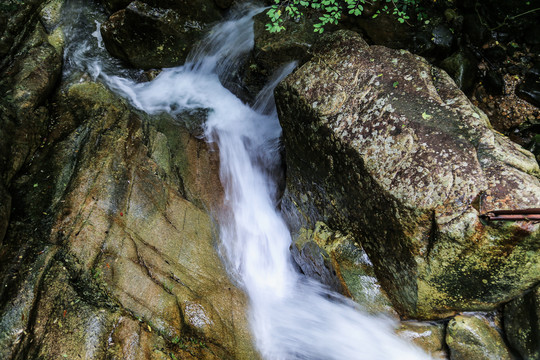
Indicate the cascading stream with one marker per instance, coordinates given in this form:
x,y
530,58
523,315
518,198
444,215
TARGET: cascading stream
x,y
292,317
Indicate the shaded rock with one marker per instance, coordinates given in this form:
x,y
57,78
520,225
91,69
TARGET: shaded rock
x,y
443,38
5,210
475,30
273,50
422,44
384,146
386,31
203,10
428,336
19,297
224,4
529,90
462,67
472,337
494,83
495,54
26,82
115,5
522,324
151,37
17,20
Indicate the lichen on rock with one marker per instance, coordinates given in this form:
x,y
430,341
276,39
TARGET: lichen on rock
x,y
383,146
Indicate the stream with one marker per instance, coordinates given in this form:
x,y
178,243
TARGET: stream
x,y
291,316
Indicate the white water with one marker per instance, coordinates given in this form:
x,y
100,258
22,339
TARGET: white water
x,y
291,316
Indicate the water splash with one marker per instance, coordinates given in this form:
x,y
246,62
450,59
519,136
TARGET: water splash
x,y
292,317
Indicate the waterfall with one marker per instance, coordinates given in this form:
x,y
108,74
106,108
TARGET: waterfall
x,y
292,317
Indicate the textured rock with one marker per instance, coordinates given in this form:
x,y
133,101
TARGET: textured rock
x,y
132,272
428,336
472,337
273,50
51,13
314,261
522,324
335,260
385,147
17,21
147,36
26,82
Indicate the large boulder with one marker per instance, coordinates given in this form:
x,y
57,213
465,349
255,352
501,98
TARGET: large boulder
x,y
148,36
384,146
115,262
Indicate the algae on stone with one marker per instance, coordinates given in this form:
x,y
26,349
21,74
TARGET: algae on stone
x,y
384,146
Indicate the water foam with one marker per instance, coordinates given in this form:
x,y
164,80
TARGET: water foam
x,y
291,316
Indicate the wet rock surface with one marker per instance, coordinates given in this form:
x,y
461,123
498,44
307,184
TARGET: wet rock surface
x,y
155,34
428,336
417,165
338,261
472,337
116,262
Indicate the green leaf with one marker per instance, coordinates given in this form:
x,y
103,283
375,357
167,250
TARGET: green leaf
x,y
426,116
395,84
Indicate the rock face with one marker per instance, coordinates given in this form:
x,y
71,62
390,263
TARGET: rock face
x,y
120,263
29,69
154,34
385,147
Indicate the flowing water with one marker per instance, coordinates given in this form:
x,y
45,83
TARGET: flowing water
x,y
291,316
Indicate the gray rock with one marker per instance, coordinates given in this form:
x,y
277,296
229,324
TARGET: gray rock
x,y
384,146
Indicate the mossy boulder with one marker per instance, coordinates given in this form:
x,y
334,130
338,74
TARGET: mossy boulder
x,y
337,261
383,146
473,337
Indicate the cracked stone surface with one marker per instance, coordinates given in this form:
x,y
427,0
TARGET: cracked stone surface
x,y
384,146
118,257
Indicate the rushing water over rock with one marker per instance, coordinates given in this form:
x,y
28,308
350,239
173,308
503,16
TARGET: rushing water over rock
x,y
292,317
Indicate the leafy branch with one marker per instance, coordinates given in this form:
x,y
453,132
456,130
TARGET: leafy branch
x,y
332,11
